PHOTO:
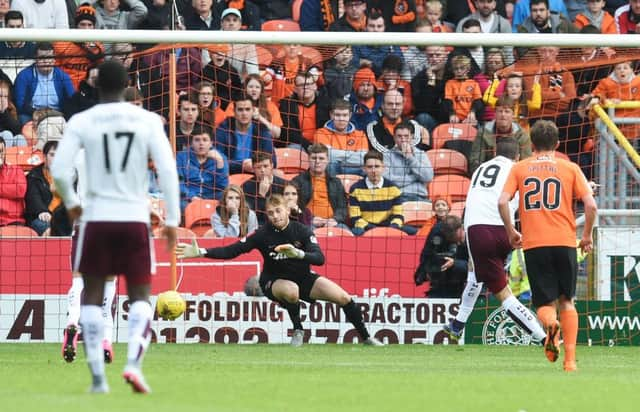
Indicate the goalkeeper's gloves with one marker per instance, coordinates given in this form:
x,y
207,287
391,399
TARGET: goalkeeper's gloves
x,y
186,250
290,251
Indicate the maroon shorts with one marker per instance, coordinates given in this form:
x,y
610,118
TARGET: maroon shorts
x,y
488,249
115,248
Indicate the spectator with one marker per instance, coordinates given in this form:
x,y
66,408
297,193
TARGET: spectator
x,y
264,110
338,76
626,18
284,69
347,145
40,201
444,259
375,201
364,99
514,87
5,6
462,96
441,207
427,88
13,50
399,15
318,15
158,15
199,16
490,22
542,20
575,7
240,136
390,79
223,75
75,58
593,65
354,18
243,57
522,11
110,16
303,112
407,166
41,85
49,125
208,105
189,111
43,14
457,10
274,9
380,131
434,13
9,125
414,57
493,63
202,170
86,96
262,185
249,13
484,146
595,15
13,186
233,217
123,52
373,56
322,192
297,211
477,52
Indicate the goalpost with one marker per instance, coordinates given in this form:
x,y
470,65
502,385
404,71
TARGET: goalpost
x,y
34,271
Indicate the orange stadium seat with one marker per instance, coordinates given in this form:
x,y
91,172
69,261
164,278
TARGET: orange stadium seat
x,y
210,234
332,232
457,209
238,179
295,9
197,215
292,160
17,231
348,180
453,186
24,156
183,233
264,57
280,25
445,161
416,213
457,136
382,231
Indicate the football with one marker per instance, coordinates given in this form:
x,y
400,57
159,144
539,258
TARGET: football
x,y
170,305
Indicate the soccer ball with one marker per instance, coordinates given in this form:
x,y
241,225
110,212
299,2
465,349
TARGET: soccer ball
x,y
170,305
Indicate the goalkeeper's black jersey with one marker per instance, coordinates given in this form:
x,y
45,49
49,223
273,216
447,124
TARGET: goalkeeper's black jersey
x,y
265,239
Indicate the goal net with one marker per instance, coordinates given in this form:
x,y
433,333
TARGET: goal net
x,y
456,94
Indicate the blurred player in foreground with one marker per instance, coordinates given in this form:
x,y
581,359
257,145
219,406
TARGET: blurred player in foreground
x,y
547,186
488,243
288,249
118,140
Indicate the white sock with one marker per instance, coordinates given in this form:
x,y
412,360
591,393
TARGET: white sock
x,y
91,321
468,299
523,317
140,315
107,314
73,301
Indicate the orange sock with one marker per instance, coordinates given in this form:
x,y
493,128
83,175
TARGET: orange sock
x,y
547,315
569,323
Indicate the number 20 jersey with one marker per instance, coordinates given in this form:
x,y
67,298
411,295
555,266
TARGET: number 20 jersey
x,y
118,139
487,182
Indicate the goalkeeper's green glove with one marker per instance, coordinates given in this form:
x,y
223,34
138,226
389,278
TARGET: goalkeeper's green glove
x,y
186,250
290,251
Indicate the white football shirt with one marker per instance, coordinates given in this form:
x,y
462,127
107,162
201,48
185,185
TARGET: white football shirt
x,y
487,182
118,140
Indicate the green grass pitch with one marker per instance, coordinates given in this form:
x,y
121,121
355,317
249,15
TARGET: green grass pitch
x,y
196,377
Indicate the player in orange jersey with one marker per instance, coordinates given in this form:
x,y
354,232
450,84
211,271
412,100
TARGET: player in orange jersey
x,y
547,186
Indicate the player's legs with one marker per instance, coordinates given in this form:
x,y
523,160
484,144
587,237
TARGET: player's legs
x,y
288,294
140,315
93,330
107,315
569,322
325,289
468,300
520,314
71,330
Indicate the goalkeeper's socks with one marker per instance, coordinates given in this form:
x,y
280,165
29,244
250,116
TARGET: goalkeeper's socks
x,y
468,299
354,315
294,314
73,300
523,318
107,308
569,324
92,331
140,314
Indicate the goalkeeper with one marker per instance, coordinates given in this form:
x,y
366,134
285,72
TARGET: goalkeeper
x,y
288,249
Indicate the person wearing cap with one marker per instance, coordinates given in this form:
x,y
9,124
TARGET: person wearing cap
x,y
354,18
43,14
76,58
243,57
249,13
364,99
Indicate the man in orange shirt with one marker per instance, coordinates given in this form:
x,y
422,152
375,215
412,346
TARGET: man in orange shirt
x,y
347,145
547,186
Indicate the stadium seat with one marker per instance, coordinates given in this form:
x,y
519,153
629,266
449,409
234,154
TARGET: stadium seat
x,y
416,213
292,160
453,186
24,156
332,232
197,215
457,209
17,231
296,5
183,233
447,161
456,136
348,180
381,231
280,25
238,179
264,57
210,234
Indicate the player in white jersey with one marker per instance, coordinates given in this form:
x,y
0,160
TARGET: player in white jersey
x,y
489,245
118,139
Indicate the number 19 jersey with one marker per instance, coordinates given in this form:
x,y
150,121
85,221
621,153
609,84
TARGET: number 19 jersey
x,y
487,182
118,139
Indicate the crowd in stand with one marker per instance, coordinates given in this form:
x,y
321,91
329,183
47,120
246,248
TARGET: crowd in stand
x,y
370,111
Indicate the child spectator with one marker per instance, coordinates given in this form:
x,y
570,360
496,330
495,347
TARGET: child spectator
x,y
513,87
297,211
595,15
222,74
233,217
434,12
338,77
441,207
390,80
210,113
40,202
462,96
